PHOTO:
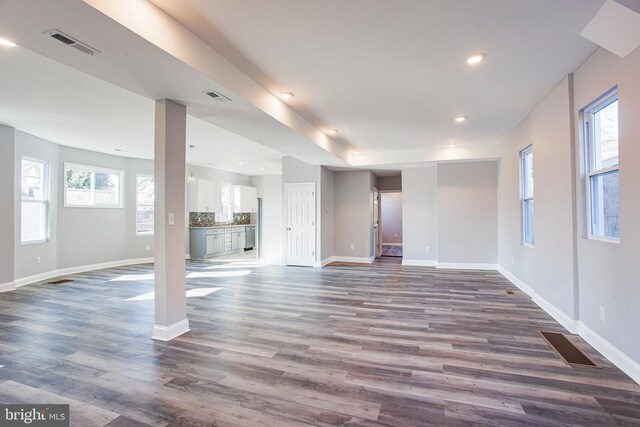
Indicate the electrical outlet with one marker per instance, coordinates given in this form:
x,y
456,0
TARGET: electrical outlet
x,y
602,313
148,247
427,249
172,218
38,260
353,246
395,235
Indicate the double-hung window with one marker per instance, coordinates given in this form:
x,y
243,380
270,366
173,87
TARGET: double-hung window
x,y
600,131
226,214
35,201
92,187
526,195
144,205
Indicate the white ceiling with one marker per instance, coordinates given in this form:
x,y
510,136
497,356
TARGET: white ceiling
x,y
63,105
391,75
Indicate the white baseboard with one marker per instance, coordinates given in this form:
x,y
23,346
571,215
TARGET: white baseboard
x,y
80,269
467,266
560,316
392,244
608,350
604,347
324,262
419,262
167,333
354,259
9,286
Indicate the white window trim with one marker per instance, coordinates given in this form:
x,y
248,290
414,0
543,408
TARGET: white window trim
x,y
93,169
144,175
523,198
45,201
588,130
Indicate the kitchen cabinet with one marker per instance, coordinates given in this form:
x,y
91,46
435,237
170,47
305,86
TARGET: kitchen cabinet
x,y
205,196
238,238
245,199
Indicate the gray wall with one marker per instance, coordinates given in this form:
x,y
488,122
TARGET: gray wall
x,y
7,190
353,223
468,212
270,191
390,183
25,255
420,214
327,212
548,267
391,217
608,272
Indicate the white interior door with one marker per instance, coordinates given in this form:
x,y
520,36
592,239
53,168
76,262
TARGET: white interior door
x,y
301,223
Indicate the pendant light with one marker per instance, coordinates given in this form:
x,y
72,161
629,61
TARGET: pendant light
x,y
191,178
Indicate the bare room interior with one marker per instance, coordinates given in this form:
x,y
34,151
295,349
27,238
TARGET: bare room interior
x,y
341,212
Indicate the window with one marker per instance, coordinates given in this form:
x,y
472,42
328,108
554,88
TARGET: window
x,y
35,201
600,120
144,205
92,187
526,195
227,200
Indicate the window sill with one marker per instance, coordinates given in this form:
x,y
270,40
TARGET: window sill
x,y
526,245
34,242
604,239
144,234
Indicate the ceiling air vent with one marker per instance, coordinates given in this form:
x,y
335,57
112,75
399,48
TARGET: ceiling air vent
x,y
70,41
215,95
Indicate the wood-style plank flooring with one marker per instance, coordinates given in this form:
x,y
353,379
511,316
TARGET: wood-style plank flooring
x,y
346,344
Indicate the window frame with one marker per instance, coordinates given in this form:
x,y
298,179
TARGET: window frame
x,y
138,204
524,198
93,170
44,201
588,128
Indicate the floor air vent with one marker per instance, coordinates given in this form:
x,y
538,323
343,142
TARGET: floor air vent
x,y
61,281
569,352
509,291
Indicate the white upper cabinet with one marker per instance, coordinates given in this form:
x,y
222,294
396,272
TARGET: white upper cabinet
x,y
204,196
245,199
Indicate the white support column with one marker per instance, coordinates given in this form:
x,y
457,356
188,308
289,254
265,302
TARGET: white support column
x,y
169,240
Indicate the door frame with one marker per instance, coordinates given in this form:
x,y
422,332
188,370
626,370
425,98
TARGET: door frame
x,y
315,222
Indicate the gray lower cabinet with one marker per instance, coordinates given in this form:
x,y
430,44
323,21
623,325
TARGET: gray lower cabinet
x,y
209,242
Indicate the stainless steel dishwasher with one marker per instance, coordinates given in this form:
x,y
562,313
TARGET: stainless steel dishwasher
x,y
250,237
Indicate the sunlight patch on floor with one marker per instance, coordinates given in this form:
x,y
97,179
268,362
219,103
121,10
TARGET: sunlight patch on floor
x,y
210,274
191,293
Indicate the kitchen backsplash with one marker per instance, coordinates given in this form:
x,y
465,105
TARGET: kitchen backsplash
x,y
208,219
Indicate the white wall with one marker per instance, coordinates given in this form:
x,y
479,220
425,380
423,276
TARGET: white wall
x,y
391,217
608,272
468,213
548,267
420,215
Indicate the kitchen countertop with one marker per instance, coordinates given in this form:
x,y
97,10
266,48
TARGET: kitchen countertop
x,y
225,226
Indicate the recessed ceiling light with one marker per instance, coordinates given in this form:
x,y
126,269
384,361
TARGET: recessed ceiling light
x,y
240,163
332,131
452,145
286,95
474,59
460,119
261,169
7,43
355,152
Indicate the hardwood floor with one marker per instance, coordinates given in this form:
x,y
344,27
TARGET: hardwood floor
x,y
346,344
